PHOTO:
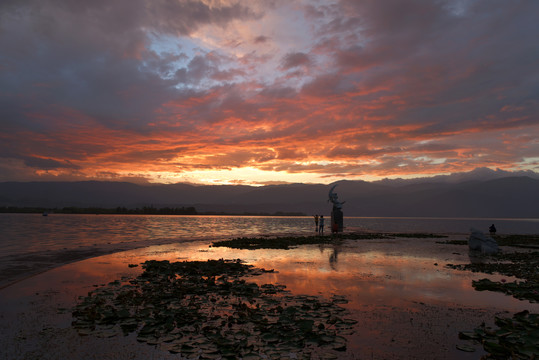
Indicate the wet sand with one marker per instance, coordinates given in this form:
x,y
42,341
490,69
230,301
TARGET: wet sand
x,y
15,268
407,303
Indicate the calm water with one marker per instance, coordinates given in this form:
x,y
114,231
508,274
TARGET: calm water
x,y
28,233
407,306
407,303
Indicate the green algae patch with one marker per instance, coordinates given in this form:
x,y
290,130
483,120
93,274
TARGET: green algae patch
x,y
524,241
515,338
290,242
522,290
453,242
284,242
522,265
521,241
207,309
418,235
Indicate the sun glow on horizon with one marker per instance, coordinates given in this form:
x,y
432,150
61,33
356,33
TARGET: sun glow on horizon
x,y
260,92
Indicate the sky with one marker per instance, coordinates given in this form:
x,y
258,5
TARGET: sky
x,y
266,91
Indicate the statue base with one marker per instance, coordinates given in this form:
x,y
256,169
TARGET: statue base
x,y
336,220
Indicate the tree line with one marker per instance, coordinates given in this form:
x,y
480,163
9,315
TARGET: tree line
x,y
146,210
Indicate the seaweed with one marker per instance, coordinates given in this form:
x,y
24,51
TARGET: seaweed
x,y
419,235
515,338
208,309
289,242
283,242
520,241
525,241
522,265
453,242
522,290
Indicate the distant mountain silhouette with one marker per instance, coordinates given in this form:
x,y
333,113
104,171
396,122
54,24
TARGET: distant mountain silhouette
x,y
466,195
482,174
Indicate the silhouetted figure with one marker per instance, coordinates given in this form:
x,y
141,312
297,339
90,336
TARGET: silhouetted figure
x,y
316,223
492,229
321,225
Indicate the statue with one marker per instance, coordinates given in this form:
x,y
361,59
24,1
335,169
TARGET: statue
x,y
335,199
336,213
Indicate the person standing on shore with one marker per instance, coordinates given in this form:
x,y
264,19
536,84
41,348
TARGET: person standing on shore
x,y
321,225
316,223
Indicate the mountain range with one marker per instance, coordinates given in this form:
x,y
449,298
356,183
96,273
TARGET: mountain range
x,y
479,193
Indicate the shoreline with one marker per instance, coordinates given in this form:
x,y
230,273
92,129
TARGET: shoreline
x,y
14,269
407,302
19,267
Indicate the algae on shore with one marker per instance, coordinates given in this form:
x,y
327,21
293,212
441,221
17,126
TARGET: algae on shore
x,y
516,338
522,265
289,242
207,309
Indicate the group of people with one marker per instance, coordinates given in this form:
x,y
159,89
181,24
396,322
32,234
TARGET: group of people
x,y
319,224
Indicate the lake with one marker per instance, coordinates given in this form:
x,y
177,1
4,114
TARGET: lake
x,y
28,233
407,303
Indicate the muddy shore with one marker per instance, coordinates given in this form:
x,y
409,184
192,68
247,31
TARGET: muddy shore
x,y
407,303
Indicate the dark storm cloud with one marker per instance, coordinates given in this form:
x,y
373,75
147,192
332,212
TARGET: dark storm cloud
x,y
94,57
261,39
48,164
444,63
337,86
293,60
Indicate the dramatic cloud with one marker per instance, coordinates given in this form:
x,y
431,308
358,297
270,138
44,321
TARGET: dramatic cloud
x,y
259,91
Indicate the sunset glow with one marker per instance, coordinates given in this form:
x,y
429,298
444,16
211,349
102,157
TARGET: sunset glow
x,y
261,92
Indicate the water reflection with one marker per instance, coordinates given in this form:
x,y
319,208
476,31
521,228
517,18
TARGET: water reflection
x,y
24,233
390,275
398,290
333,257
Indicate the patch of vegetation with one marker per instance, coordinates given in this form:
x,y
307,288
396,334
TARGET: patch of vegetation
x,y
453,242
146,210
522,290
284,242
523,265
516,338
522,241
526,241
289,242
206,310
418,235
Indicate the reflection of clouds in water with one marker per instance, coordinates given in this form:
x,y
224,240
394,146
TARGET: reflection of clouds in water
x,y
22,234
27,233
365,271
386,286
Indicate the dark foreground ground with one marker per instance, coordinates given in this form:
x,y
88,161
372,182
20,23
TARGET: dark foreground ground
x,y
374,297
